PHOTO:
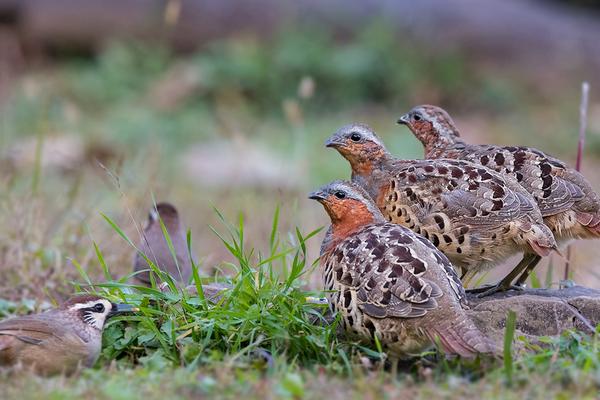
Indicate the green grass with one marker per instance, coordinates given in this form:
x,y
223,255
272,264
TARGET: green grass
x,y
265,310
263,338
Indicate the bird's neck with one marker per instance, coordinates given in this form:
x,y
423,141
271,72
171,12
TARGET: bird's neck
x,y
353,220
437,145
171,223
372,178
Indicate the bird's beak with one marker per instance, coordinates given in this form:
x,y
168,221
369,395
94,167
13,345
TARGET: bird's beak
x,y
404,120
123,308
334,141
153,215
318,195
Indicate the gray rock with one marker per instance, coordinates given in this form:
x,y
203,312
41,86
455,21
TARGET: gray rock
x,y
539,312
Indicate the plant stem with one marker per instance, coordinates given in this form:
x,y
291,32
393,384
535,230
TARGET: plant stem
x,y
583,107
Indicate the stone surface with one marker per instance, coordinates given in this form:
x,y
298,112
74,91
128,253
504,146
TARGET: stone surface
x,y
540,312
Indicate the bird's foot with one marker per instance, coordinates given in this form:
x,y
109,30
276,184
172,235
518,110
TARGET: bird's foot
x,y
497,289
487,290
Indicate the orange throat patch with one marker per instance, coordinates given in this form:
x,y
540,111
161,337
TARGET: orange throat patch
x,y
348,219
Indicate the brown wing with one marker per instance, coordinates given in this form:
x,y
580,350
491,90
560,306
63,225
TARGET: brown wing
x,y
461,190
386,265
554,186
20,333
30,330
47,345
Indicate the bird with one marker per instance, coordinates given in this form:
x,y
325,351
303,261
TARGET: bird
x,y
475,216
59,340
568,203
389,283
155,247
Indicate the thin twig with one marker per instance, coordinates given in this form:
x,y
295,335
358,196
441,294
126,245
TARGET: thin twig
x,y
583,108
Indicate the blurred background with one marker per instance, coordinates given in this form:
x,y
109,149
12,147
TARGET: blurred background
x,y
107,106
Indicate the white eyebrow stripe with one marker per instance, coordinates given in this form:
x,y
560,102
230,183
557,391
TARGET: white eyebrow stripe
x,y
88,304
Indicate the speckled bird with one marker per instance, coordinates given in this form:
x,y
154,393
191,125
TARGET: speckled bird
x,y
387,281
475,216
154,245
567,201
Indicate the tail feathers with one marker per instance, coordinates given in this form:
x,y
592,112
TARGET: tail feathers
x,y
541,240
462,338
590,221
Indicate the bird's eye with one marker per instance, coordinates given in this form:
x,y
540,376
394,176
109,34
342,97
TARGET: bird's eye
x,y
99,308
417,117
340,195
355,137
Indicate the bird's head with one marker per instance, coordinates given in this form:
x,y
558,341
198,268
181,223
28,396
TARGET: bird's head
x,y
348,205
166,211
94,310
431,125
358,144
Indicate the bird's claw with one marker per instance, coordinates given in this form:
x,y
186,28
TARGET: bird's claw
x,y
492,289
499,287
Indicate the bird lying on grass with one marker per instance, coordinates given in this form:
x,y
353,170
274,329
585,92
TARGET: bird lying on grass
x,y
60,340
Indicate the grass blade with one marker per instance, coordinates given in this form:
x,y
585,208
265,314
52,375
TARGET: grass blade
x,y
509,335
100,257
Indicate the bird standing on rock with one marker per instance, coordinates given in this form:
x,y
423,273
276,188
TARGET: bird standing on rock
x,y
59,340
476,217
567,201
386,281
154,245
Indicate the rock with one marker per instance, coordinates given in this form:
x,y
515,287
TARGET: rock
x,y
540,312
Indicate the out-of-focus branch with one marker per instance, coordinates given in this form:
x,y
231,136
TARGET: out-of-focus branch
x,y
583,107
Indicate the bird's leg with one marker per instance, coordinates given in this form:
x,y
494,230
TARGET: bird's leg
x,y
468,276
394,371
506,282
521,280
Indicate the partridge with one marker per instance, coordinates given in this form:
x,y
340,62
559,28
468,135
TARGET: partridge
x,y
154,245
475,216
568,203
388,282
60,340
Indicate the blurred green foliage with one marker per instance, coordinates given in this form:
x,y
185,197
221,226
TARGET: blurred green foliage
x,y
299,76
375,65
372,66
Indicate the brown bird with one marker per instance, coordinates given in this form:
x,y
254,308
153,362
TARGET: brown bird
x,y
155,246
567,201
475,216
59,340
386,281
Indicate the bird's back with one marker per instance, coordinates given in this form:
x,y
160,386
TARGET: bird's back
x,y
154,246
462,208
45,343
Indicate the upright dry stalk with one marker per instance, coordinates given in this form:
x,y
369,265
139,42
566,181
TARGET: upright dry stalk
x,y
583,107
